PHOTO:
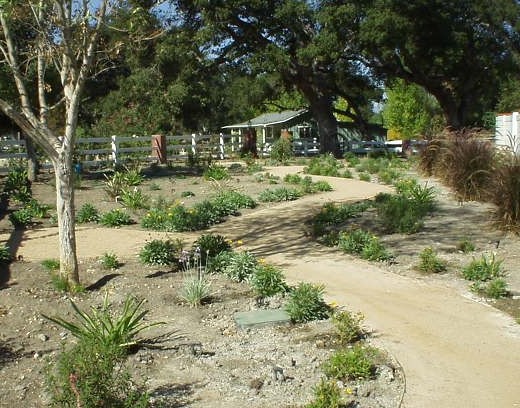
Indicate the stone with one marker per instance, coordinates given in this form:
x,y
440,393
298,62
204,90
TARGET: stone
x,y
262,317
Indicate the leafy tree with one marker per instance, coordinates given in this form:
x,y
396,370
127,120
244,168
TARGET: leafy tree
x,y
458,51
409,111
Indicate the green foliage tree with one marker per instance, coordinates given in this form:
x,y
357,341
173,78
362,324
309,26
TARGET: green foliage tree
x,y
410,111
458,51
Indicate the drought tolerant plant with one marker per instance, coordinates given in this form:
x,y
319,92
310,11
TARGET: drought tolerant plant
x,y
324,165
327,394
484,269
159,252
115,185
37,209
216,172
21,218
279,194
365,177
351,159
229,202
211,245
333,215
115,218
364,244
5,255
430,262
219,262
132,177
87,213
354,363
105,328
17,185
195,289
306,303
495,288
348,326
268,280
241,266
466,245
133,199
92,375
51,265
281,151
109,260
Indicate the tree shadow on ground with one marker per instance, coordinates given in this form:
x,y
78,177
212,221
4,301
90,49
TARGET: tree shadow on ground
x,y
102,282
173,395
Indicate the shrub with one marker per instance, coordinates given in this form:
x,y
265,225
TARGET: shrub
x,y
87,213
115,218
496,288
466,245
5,255
327,394
219,262
241,266
195,289
134,199
216,172
37,209
351,159
483,269
17,185
186,194
351,364
364,244
211,245
279,194
102,327
159,252
92,375
348,326
504,192
306,303
364,177
229,202
109,261
281,151
324,165
430,262
467,166
268,280
332,214
21,218
115,185
132,177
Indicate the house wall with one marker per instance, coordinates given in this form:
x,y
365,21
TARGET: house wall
x,y
507,129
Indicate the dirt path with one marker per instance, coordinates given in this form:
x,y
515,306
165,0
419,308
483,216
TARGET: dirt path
x,y
455,351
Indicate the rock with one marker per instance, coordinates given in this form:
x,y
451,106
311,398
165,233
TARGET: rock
x,y
43,337
386,373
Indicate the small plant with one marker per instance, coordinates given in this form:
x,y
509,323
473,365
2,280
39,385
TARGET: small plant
x,y
279,194
327,394
211,245
281,151
61,283
51,265
351,159
5,255
133,199
37,209
325,165
348,326
195,289
187,194
21,218
483,269
351,364
17,185
87,213
466,245
306,303
109,261
496,288
268,280
115,218
216,172
333,215
115,185
365,177
159,252
430,262
241,266
364,244
133,177
219,262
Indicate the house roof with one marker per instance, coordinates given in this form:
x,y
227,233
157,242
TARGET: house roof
x,y
269,119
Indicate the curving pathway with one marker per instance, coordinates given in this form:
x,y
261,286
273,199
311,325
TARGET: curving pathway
x,y
455,352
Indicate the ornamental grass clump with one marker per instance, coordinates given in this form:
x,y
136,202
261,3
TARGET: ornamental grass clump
x,y
355,363
196,287
487,275
363,244
430,262
306,303
333,215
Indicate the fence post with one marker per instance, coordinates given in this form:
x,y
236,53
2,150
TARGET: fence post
x,y
221,146
305,148
115,150
194,144
159,148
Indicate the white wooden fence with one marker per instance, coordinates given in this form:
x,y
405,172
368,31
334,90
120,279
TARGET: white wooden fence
x,y
106,151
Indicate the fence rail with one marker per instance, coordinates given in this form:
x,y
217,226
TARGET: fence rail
x,y
100,151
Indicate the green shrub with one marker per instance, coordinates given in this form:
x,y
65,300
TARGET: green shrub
x,y
293,179
241,266
5,255
279,194
229,202
87,213
51,265
219,262
327,394
348,326
17,185
159,252
306,303
324,165
109,261
364,244
483,269
332,214
268,280
216,172
195,289
115,218
103,327
211,245
92,375
21,218
495,288
430,262
134,199
365,177
466,246
37,209
186,194
281,151
306,184
132,177
351,364
115,184
351,159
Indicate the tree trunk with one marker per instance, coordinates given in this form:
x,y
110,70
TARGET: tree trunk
x,y
32,161
66,221
327,125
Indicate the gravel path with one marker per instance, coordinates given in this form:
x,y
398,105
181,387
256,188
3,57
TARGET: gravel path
x,y
455,351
